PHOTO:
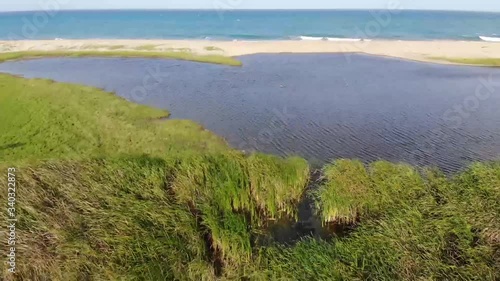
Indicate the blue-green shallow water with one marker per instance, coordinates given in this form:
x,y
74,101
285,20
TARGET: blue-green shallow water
x,y
391,24
319,106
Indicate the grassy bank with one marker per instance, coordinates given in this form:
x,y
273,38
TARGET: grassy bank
x,y
103,181
178,55
106,191
42,119
405,225
495,62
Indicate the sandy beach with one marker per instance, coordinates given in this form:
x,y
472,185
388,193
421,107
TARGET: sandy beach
x,y
413,50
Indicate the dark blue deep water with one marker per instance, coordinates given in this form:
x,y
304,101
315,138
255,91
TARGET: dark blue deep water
x,y
319,106
217,24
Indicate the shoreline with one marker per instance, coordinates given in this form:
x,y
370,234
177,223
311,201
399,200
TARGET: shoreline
x,y
427,51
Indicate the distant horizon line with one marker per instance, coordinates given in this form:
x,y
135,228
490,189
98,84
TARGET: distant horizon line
x,y
237,9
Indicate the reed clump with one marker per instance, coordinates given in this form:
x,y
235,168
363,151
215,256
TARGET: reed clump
x,y
232,199
353,191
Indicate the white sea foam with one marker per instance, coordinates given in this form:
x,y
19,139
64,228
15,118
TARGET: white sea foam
x,y
311,38
343,39
490,39
347,39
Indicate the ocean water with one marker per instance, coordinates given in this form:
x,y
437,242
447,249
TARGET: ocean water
x,y
317,106
393,24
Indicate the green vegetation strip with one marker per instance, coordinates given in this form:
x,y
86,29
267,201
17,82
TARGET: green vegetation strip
x,y
42,119
213,48
109,191
179,55
471,61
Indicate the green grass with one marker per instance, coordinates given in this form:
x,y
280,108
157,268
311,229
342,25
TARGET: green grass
x,y
213,48
43,119
346,194
107,47
426,227
277,186
147,47
86,153
171,54
233,199
471,61
352,192
106,219
108,191
185,50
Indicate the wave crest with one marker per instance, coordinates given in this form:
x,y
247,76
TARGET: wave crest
x,y
347,39
490,39
338,39
311,38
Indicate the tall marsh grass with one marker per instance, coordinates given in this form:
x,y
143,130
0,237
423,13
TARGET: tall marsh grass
x,y
277,185
105,193
235,195
418,226
353,191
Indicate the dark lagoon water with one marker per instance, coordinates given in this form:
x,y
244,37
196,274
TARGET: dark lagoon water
x,y
319,106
